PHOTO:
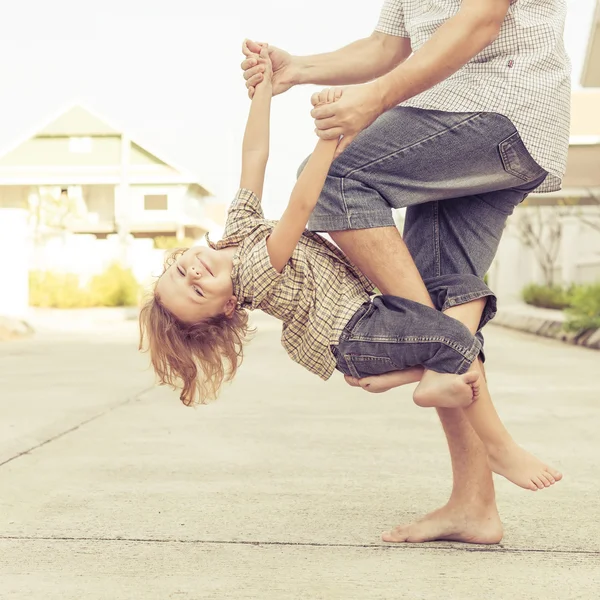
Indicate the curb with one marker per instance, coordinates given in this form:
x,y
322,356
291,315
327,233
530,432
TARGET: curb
x,y
545,323
14,329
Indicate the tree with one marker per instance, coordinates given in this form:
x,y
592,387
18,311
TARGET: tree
x,y
540,229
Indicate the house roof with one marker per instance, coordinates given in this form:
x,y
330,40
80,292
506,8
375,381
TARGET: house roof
x,y
590,75
40,157
78,121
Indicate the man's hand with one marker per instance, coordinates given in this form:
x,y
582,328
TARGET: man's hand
x,y
284,69
355,109
264,62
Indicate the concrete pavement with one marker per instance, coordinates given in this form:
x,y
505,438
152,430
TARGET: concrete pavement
x,y
109,488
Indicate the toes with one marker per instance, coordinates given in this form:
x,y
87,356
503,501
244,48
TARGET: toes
x,y
395,535
471,377
557,475
353,381
544,480
538,482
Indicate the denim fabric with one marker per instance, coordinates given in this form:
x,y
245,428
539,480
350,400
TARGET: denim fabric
x,y
391,333
460,176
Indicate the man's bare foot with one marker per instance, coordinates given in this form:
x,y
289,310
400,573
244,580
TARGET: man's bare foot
x,y
445,390
473,524
377,384
521,467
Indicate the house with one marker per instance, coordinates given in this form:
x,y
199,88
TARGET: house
x,y
81,174
590,76
555,237
80,193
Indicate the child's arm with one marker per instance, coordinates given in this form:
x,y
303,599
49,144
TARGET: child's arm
x,y
255,147
306,192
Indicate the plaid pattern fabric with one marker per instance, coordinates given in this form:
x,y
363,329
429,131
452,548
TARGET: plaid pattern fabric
x,y
524,74
315,296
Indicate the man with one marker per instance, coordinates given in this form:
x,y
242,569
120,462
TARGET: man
x,y
466,112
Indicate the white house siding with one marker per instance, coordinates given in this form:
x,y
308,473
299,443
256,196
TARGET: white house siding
x,y
100,203
14,196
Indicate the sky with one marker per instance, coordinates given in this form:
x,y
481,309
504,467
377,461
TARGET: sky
x,y
169,73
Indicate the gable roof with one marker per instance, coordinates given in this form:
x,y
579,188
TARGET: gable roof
x,y
78,120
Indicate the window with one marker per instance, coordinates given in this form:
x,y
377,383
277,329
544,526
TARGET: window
x,y
155,202
80,145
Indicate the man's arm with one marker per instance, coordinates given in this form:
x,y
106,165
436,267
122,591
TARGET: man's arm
x,y
361,61
454,44
475,26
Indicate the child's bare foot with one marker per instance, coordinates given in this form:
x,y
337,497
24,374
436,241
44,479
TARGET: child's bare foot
x,y
445,390
521,467
377,384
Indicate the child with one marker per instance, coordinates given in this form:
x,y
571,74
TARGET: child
x,y
196,320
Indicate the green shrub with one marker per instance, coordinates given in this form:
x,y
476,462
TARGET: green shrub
x,y
170,242
545,296
584,312
115,287
57,290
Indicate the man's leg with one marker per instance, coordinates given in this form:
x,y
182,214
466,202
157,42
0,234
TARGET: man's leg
x,y
471,514
409,157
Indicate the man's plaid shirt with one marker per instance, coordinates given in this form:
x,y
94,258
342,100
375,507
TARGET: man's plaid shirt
x,y
524,74
315,296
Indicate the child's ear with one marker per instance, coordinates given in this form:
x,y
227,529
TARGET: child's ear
x,y
229,307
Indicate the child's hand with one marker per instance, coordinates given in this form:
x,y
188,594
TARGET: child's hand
x,y
326,96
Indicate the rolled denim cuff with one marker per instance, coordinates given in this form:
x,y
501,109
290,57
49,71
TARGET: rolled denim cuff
x,y
447,291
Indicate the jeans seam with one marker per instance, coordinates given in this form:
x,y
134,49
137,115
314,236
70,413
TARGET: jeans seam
x,y
472,117
436,239
463,350
343,195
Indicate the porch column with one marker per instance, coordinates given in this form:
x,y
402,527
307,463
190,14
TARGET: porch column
x,y
15,250
122,200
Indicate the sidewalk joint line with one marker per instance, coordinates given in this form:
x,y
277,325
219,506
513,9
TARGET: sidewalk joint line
x,y
78,426
437,545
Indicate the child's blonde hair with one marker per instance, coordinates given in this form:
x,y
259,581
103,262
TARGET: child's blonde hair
x,y
195,357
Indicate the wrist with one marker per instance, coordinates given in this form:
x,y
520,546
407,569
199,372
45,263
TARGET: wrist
x,y
265,88
389,91
299,70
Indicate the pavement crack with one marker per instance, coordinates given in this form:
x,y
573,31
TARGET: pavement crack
x,y
78,426
449,546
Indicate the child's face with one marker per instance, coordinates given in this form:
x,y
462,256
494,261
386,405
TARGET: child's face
x,y
198,285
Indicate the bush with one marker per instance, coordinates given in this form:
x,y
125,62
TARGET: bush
x,y
545,296
584,312
170,242
115,287
57,290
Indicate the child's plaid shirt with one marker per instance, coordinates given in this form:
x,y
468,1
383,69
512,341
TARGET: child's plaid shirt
x,y
315,296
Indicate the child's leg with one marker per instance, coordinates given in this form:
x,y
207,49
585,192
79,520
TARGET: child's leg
x,y
435,389
378,384
505,457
